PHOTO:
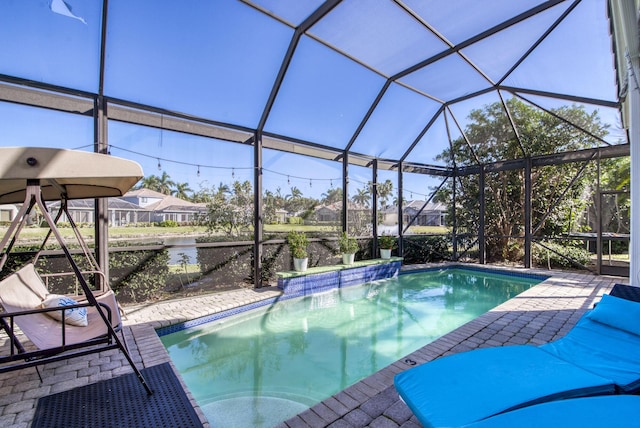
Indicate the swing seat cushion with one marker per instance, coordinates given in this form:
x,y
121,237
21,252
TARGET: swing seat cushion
x,y
74,316
24,290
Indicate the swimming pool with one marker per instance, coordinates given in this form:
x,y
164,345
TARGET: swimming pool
x,y
265,365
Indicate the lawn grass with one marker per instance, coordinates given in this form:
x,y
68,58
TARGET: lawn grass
x,y
426,230
36,234
300,227
88,233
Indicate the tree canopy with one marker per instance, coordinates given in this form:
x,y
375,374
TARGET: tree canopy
x,y
558,197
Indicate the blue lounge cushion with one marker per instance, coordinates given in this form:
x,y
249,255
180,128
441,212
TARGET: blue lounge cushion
x,y
462,388
612,411
606,350
618,313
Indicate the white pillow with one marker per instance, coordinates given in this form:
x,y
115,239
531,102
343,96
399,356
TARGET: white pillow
x,y
75,316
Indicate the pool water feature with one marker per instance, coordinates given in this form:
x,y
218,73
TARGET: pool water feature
x,y
265,365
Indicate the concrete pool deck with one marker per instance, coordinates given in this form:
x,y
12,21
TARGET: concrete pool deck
x,y
541,314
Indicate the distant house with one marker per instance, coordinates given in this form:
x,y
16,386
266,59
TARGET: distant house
x,y
433,214
328,213
333,212
281,215
121,212
165,207
8,212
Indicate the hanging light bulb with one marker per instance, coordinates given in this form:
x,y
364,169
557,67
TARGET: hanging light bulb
x,y
310,183
198,173
288,180
331,183
159,165
233,173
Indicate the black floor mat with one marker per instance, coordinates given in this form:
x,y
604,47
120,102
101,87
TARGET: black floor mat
x,y
121,402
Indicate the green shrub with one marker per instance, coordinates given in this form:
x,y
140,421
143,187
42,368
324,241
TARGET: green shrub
x,y
347,244
566,255
168,223
426,249
296,220
137,276
298,243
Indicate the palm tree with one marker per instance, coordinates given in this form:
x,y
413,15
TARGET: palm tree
x,y
223,189
363,197
151,182
384,192
295,194
332,195
180,191
165,184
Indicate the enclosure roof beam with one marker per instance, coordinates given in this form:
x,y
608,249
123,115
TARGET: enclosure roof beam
x,y
46,98
616,151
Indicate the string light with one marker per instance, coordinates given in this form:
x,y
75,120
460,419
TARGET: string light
x,y
199,166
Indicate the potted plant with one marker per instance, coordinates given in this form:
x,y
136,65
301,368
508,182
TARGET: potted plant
x,y
386,243
348,248
298,243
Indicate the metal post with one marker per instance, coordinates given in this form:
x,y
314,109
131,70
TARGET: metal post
x,y
345,192
257,211
400,212
527,212
598,219
101,145
374,209
101,205
481,218
454,223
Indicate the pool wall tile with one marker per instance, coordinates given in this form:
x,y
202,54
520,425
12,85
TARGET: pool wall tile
x,y
304,285
506,272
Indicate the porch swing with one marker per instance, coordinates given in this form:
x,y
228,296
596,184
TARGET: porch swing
x,y
57,326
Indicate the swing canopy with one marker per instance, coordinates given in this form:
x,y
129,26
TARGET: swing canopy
x,y
62,173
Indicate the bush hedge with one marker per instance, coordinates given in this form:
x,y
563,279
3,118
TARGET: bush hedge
x,y
566,255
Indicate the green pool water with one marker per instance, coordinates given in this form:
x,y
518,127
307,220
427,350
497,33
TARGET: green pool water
x,y
263,366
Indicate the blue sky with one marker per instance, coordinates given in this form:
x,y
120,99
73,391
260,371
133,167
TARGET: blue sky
x,y
218,60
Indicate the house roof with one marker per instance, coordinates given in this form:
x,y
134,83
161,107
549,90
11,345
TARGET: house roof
x,y
114,204
337,206
145,193
166,202
431,206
